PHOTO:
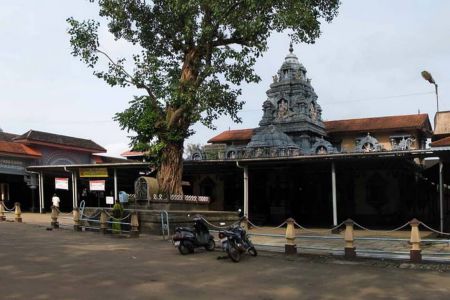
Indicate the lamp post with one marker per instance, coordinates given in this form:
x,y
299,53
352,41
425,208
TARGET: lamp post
x,y
427,76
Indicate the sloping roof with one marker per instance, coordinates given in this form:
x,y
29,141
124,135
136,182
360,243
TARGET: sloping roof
x,y
4,136
442,123
233,135
132,153
441,143
99,159
39,137
405,122
13,148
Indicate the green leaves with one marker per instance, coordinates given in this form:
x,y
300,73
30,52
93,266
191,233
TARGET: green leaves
x,y
191,56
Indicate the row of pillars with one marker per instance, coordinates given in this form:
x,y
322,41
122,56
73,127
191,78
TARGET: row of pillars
x,y
334,197
103,221
415,254
17,212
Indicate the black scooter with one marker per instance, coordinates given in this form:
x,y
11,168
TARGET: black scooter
x,y
235,241
186,239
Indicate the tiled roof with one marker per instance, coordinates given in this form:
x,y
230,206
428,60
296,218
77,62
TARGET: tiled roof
x,y
18,149
442,123
405,122
4,136
233,135
441,143
132,153
100,159
39,137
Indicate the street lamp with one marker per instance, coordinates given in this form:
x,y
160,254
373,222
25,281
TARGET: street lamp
x,y
427,76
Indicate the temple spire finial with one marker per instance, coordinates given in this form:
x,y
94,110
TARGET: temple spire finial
x,y
291,49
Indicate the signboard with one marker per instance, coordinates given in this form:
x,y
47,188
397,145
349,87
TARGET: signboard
x,y
12,166
93,172
97,185
62,184
109,200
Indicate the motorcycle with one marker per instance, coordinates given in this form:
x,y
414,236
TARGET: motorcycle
x,y
235,242
186,239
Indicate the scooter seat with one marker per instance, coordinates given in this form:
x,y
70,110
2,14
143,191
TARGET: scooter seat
x,y
185,229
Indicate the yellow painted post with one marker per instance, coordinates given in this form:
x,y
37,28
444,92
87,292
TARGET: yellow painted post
x,y
415,254
2,212
103,222
290,247
54,217
349,250
76,219
18,213
134,225
244,223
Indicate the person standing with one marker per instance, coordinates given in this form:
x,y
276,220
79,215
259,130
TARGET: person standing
x,y
55,200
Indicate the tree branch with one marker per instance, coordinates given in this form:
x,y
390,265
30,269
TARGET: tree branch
x,y
133,81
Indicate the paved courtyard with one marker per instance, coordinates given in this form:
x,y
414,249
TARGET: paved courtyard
x,y
61,264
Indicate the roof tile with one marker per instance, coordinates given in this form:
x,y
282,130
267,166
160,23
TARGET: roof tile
x,y
417,121
18,149
233,135
34,136
445,142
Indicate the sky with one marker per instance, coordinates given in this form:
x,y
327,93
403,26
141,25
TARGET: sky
x,y
367,63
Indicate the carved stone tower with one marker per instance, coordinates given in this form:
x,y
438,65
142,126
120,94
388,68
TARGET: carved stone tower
x,y
292,108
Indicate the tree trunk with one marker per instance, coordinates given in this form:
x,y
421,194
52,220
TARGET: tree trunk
x,y
171,169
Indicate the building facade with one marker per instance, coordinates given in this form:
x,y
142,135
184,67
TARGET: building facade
x,y
295,164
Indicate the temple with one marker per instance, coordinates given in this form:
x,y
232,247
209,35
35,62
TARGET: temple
x,y
295,164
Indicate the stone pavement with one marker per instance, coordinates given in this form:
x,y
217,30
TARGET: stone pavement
x,y
309,243
63,264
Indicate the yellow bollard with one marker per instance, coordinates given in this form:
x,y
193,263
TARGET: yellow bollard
x,y
244,223
76,219
290,247
349,250
134,225
54,216
18,213
2,212
103,222
415,254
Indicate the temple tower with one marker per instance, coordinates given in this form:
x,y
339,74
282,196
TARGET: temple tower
x,y
291,109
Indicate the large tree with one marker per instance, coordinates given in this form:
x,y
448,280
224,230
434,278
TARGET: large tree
x,y
191,56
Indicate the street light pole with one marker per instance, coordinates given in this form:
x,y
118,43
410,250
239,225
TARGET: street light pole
x,y
427,76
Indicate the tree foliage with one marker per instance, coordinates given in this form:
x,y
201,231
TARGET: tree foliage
x,y
191,56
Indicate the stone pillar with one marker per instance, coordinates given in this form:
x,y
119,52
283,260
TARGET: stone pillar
x,y
244,223
246,192
290,247
349,238
18,213
76,219
2,212
103,222
415,254
54,217
134,225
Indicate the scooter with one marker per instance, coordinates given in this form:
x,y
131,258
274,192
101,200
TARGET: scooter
x,y
186,239
235,242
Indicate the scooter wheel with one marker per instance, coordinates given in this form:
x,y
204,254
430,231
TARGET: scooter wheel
x,y
184,249
234,253
252,251
211,245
